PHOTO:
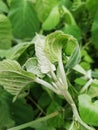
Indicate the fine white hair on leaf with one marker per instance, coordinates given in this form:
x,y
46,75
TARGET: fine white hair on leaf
x,y
44,64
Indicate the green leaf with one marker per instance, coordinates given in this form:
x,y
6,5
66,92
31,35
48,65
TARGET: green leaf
x,y
57,121
74,58
93,90
58,41
13,78
31,65
44,7
15,52
72,30
80,81
21,111
88,110
5,32
95,30
3,7
49,23
44,64
5,118
92,7
24,19
12,114
54,43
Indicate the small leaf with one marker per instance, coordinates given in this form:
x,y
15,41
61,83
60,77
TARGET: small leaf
x,y
74,58
44,64
49,23
88,110
31,65
5,32
13,78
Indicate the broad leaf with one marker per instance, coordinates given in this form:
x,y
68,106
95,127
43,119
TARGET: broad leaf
x,y
13,78
5,32
15,52
12,114
5,118
72,30
44,7
3,7
88,110
49,23
24,19
44,64
92,7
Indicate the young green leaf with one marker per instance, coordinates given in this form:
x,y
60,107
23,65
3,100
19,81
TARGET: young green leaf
x,y
31,65
44,64
88,110
54,43
13,78
24,19
44,7
15,52
5,32
57,42
74,58
49,23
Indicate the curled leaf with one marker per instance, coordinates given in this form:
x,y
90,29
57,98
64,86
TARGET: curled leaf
x,y
88,109
44,64
58,43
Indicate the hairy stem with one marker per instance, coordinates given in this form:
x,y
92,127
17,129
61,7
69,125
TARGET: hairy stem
x,y
46,84
62,72
69,99
86,85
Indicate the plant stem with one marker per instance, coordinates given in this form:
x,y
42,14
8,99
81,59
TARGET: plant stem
x,y
33,123
86,86
62,72
46,84
69,99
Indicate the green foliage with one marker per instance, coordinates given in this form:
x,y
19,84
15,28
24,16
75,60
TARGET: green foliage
x,y
3,7
48,65
49,23
13,78
95,30
24,19
88,109
44,7
5,32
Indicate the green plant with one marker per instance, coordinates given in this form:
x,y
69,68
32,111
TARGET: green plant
x,y
48,69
